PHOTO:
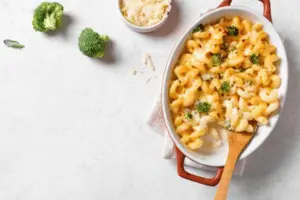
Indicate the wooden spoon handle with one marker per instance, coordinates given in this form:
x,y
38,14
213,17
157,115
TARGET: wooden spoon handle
x,y
227,174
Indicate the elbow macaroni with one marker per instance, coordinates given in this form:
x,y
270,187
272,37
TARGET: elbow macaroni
x,y
198,77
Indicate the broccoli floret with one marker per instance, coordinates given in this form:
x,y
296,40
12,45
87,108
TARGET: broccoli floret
x,y
48,17
91,43
13,44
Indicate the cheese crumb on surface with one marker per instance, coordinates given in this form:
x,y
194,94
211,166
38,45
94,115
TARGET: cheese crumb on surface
x,y
150,78
144,12
148,61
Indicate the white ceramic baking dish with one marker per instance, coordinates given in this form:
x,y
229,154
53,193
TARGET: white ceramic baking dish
x,y
145,29
217,159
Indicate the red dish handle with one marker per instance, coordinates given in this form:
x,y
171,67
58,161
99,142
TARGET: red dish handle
x,y
267,7
184,174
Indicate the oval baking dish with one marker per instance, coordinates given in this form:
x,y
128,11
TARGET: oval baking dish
x,y
218,158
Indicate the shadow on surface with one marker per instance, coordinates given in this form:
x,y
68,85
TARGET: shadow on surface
x,y
109,57
171,23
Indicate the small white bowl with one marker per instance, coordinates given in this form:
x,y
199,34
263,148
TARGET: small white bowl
x,y
145,29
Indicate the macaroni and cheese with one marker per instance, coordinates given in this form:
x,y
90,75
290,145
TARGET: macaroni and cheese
x,y
227,75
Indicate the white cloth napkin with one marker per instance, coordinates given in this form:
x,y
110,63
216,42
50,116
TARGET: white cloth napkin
x,y
156,122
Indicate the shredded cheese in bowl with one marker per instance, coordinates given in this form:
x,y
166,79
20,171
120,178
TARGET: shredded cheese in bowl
x,y
144,13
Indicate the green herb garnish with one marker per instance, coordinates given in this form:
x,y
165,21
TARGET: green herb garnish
x,y
233,31
227,124
203,107
200,28
13,44
216,59
188,115
225,87
254,59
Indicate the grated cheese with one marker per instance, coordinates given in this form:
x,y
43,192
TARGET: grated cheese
x,y
148,61
144,12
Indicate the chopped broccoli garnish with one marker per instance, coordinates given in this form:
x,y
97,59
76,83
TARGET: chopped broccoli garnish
x,y
233,31
203,107
92,44
188,115
254,59
48,17
216,59
200,28
13,44
242,69
225,87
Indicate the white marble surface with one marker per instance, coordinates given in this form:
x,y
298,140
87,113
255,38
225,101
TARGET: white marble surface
x,y
72,128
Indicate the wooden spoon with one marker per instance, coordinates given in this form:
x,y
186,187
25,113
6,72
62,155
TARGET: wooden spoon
x,y
237,143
